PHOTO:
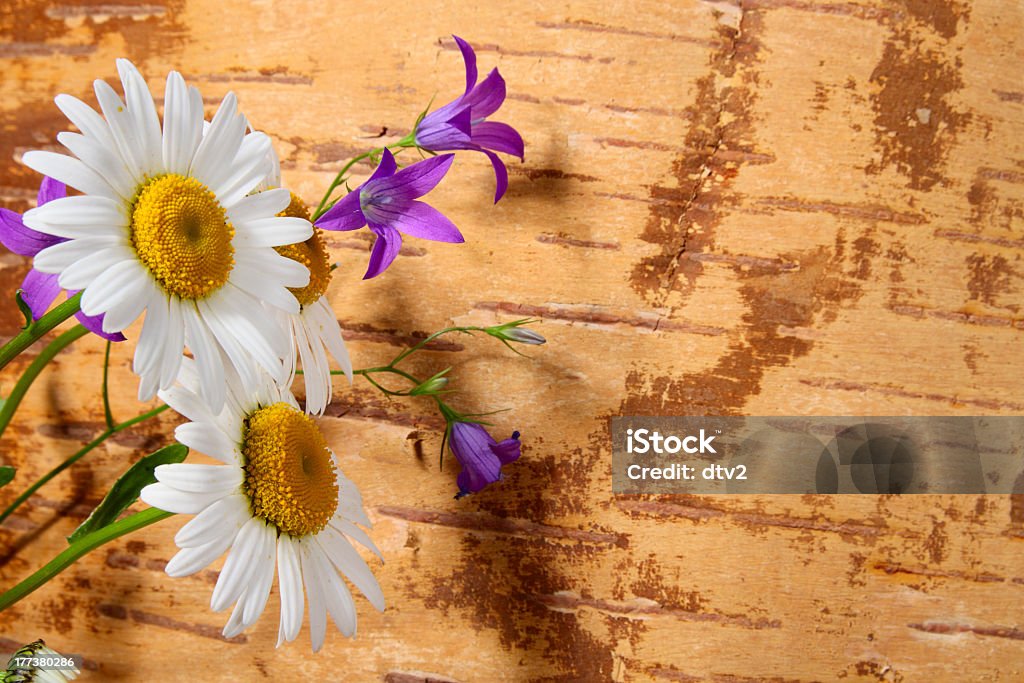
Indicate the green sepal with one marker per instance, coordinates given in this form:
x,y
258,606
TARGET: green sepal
x,y
126,489
24,308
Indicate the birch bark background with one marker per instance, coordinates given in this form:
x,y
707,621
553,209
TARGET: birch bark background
x,y
765,207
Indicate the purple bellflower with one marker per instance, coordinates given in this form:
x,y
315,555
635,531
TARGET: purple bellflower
x,y
387,202
462,123
480,455
40,289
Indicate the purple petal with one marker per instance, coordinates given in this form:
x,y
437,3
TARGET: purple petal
x,y
39,290
478,473
487,96
499,137
94,323
453,132
508,450
469,57
500,174
385,249
344,215
418,219
51,189
472,445
413,181
385,168
20,238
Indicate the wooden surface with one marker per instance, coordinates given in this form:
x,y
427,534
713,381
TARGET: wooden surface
x,y
773,207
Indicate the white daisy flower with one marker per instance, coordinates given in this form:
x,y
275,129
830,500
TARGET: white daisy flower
x,y
279,500
166,225
314,329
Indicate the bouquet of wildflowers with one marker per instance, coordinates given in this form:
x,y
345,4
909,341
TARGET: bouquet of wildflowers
x,y
185,223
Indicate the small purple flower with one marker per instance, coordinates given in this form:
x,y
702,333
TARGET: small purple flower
x,y
480,455
40,289
463,124
387,203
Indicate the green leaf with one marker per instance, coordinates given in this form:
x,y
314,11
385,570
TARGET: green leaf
x,y
6,474
25,310
126,490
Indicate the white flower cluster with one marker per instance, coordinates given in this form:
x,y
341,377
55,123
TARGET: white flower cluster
x,y
181,221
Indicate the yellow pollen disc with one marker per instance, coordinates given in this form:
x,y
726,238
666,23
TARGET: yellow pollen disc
x,y
181,233
312,253
289,474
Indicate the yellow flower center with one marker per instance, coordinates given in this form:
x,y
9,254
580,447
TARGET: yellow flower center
x,y
181,233
289,473
312,253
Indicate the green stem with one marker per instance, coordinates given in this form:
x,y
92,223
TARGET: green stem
x,y
78,549
107,415
407,141
33,370
37,329
107,433
413,349
366,372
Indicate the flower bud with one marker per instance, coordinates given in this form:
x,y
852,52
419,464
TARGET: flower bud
x,y
523,336
514,331
430,386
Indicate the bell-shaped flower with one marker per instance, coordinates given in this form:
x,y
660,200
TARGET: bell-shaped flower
x,y
480,455
387,202
462,123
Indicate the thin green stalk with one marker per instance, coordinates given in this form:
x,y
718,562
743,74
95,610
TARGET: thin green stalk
x,y
78,549
37,329
366,372
33,370
107,433
107,415
413,349
407,141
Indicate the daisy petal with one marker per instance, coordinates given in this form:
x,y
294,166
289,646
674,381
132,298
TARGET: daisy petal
x,y
226,516
179,502
103,159
182,125
345,558
206,439
239,566
259,590
70,171
82,216
114,285
351,530
207,355
259,205
143,113
188,561
59,257
335,594
193,478
317,604
81,273
219,144
289,574
273,232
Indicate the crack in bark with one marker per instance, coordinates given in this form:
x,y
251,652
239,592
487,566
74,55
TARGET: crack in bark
x,y
707,165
